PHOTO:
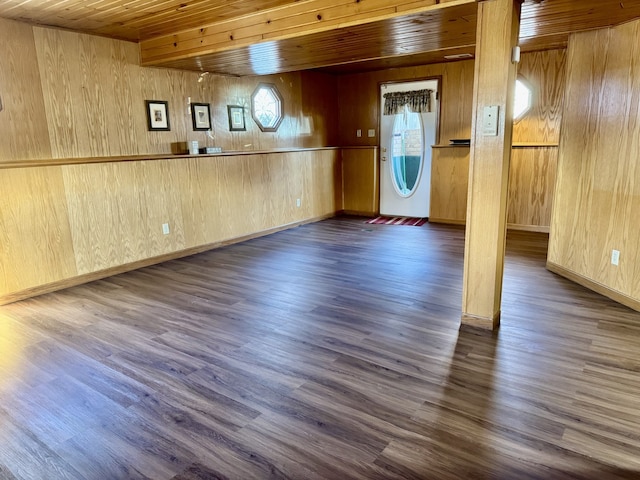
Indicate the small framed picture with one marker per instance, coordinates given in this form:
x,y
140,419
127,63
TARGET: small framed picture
x,y
236,118
201,116
157,115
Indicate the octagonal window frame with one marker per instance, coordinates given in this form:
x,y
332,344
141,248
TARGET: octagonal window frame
x,y
522,87
271,90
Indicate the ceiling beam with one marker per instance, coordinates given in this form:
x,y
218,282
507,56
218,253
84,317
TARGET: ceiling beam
x,y
291,21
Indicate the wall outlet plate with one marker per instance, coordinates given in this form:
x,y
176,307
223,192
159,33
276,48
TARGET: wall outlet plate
x,y
165,229
615,257
490,120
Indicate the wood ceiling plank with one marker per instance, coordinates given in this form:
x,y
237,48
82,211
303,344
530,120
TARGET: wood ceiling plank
x,y
187,44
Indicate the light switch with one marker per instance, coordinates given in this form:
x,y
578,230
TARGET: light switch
x,y
358,133
371,132
490,121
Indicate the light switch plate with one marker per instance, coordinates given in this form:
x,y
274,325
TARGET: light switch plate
x,y
490,120
371,133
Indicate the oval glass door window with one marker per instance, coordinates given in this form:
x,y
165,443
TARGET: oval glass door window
x,y
407,150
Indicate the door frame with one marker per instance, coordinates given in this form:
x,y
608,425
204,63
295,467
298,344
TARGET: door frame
x,y
438,79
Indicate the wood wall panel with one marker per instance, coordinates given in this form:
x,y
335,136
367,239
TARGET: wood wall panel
x,y
35,238
22,120
69,95
59,223
116,212
598,187
545,72
361,180
359,100
532,178
449,185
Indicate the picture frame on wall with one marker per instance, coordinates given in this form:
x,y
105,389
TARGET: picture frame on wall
x,y
201,116
157,115
236,118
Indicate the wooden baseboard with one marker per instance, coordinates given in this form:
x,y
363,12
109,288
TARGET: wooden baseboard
x,y
485,323
446,220
528,228
359,213
510,226
595,286
90,277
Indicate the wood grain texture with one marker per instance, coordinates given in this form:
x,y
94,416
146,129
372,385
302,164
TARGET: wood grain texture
x,y
70,221
449,185
69,95
407,38
359,100
494,84
307,354
292,20
22,123
332,36
545,72
597,194
532,179
360,181
35,235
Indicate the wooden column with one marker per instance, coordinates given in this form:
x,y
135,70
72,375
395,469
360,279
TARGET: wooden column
x,y
494,84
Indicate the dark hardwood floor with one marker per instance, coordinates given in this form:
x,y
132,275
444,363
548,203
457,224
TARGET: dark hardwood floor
x,y
329,351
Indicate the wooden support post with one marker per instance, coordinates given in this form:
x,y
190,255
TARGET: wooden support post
x,y
494,85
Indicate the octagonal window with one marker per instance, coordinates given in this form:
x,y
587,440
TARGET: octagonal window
x,y
523,99
266,107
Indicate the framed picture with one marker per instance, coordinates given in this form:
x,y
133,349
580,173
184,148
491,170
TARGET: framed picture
x,y
157,115
201,116
236,118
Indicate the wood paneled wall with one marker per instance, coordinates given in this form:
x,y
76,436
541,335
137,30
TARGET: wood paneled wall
x,y
533,167
532,179
69,95
545,72
61,222
360,180
73,95
359,100
597,204
449,185
23,122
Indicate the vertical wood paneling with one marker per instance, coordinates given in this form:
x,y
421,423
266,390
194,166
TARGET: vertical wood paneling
x,y
60,222
116,211
532,177
35,238
449,184
360,176
73,95
598,188
545,72
359,100
22,121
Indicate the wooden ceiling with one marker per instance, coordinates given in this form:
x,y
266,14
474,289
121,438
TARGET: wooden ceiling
x,y
242,37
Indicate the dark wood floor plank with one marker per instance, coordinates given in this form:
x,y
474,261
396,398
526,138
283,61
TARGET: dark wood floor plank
x,y
331,350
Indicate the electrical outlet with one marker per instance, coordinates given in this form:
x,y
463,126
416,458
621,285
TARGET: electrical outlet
x,y
615,257
298,202
165,228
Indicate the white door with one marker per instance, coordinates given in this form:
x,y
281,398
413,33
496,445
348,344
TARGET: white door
x,y
405,157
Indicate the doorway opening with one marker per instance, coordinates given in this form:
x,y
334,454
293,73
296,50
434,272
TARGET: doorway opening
x,y
407,131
